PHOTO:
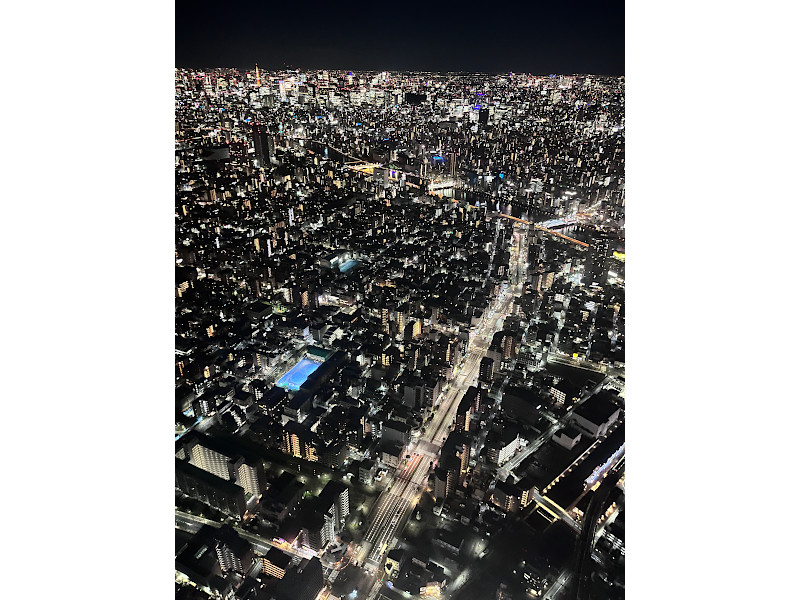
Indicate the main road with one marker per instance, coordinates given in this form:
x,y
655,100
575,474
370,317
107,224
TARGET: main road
x,y
395,504
192,524
392,507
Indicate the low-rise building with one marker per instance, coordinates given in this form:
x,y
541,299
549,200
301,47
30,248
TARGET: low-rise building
x,y
567,438
596,415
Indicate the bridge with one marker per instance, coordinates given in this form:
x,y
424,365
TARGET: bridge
x,y
441,183
546,230
539,228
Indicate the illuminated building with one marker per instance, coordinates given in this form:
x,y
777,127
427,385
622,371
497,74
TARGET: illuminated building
x,y
182,288
565,393
527,496
506,496
275,562
210,460
598,263
250,477
338,494
455,456
204,405
298,441
486,373
206,487
395,560
414,357
233,552
445,479
401,319
210,455
547,280
385,318
507,344
317,530
477,397
264,145
502,445
451,347
291,443
463,414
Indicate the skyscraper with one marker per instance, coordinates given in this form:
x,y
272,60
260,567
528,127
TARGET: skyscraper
x,y
598,262
486,373
264,145
338,494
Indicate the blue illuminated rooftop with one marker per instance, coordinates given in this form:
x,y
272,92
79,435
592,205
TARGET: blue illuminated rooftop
x,y
297,375
347,265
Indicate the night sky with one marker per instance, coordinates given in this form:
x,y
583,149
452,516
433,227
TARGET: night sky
x,y
559,36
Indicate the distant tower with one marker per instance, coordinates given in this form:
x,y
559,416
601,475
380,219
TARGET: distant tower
x,y
258,77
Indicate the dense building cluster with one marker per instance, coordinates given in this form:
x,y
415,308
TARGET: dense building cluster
x,y
399,352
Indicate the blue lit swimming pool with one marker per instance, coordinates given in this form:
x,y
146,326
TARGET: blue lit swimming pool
x,y
295,377
346,266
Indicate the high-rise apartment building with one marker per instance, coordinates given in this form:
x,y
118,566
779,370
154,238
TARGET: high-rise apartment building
x,y
210,460
385,319
210,455
338,494
234,553
275,562
206,487
600,253
486,373
264,144
298,441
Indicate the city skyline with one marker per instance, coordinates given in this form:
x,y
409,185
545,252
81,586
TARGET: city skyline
x,y
400,334
400,301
